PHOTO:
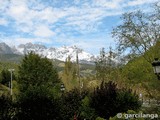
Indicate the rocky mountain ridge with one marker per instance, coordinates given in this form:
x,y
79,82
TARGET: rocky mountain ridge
x,y
60,53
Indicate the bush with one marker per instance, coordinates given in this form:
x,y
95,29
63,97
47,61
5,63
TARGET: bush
x,y
108,100
86,112
70,103
103,100
127,100
6,108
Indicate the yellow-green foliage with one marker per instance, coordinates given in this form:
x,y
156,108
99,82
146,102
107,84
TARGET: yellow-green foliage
x,y
15,89
9,65
138,70
69,75
139,75
99,118
4,90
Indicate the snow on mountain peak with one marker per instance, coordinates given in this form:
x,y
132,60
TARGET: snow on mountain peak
x,y
60,53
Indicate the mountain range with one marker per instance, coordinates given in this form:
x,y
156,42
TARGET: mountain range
x,y
60,53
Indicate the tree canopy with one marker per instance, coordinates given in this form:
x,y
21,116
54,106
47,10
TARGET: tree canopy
x,y
36,71
139,31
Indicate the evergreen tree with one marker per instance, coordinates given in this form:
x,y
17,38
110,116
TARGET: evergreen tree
x,y
37,78
35,71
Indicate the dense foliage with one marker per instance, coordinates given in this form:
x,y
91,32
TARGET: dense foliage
x,y
69,74
5,77
6,108
70,102
108,100
37,104
35,71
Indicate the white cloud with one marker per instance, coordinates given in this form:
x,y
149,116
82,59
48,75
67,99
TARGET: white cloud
x,y
88,19
3,5
23,14
25,28
140,2
51,15
91,44
43,31
26,19
3,22
16,40
20,40
20,13
109,4
82,18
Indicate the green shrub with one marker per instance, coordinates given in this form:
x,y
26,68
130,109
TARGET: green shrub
x,y
108,100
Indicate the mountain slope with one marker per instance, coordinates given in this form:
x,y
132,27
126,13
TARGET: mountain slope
x,y
5,49
11,58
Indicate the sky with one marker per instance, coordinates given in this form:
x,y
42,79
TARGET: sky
x,y
54,23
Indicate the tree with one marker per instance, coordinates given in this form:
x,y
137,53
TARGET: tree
x,y
38,80
69,74
69,69
6,77
101,65
139,31
35,71
138,73
104,64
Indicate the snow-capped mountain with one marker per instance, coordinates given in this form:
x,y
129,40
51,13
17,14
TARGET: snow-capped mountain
x,y
60,53
5,49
